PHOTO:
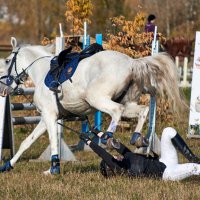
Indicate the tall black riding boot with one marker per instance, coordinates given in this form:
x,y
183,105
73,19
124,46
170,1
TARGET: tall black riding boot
x,y
180,144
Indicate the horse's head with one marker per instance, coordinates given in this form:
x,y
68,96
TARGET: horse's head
x,y
8,83
13,69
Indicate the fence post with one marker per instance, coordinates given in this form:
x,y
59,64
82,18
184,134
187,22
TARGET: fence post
x,y
6,127
98,114
152,111
185,82
86,43
2,122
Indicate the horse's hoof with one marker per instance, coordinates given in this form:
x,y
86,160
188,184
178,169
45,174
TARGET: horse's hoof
x,y
47,172
135,137
52,171
105,137
138,140
55,166
6,167
113,143
55,170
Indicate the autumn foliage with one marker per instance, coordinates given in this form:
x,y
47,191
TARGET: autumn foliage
x,y
129,36
78,12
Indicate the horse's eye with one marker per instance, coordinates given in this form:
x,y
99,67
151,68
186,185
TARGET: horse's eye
x,y
7,61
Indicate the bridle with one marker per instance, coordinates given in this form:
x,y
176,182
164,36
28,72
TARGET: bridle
x,y
21,77
10,78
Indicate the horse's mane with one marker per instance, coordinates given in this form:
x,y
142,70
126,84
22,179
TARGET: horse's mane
x,y
49,48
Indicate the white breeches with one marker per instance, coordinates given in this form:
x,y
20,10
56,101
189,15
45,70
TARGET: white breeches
x,y
169,157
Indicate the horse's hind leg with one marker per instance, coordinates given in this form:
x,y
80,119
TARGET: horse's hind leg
x,y
37,132
133,110
105,104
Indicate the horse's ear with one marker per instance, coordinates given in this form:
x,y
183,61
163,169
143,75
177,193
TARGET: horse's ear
x,y
13,42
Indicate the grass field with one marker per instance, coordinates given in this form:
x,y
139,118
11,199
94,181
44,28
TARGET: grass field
x,y
82,180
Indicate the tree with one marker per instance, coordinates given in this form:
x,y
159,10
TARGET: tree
x,y
78,12
129,36
31,21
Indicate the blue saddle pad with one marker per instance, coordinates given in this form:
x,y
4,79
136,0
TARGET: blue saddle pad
x,y
56,77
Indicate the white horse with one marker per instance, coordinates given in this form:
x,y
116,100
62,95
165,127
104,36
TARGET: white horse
x,y
108,81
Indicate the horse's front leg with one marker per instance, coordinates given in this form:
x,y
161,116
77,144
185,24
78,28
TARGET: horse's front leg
x,y
50,119
37,132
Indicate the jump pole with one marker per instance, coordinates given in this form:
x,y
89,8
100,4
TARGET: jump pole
x,y
86,43
98,114
152,111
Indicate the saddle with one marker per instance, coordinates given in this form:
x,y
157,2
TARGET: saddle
x,y
63,66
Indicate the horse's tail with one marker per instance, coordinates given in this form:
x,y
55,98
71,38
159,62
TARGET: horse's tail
x,y
161,72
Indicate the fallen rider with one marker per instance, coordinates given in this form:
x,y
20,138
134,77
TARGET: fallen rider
x,y
136,165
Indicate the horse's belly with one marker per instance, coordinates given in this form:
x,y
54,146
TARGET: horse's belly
x,y
78,107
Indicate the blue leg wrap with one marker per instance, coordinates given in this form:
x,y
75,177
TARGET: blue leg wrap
x,y
134,137
138,140
106,136
55,164
6,167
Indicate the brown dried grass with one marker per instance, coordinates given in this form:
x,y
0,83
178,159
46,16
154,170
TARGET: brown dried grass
x,y
82,180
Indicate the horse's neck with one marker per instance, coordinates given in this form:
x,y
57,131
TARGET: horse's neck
x,y
38,70
40,61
